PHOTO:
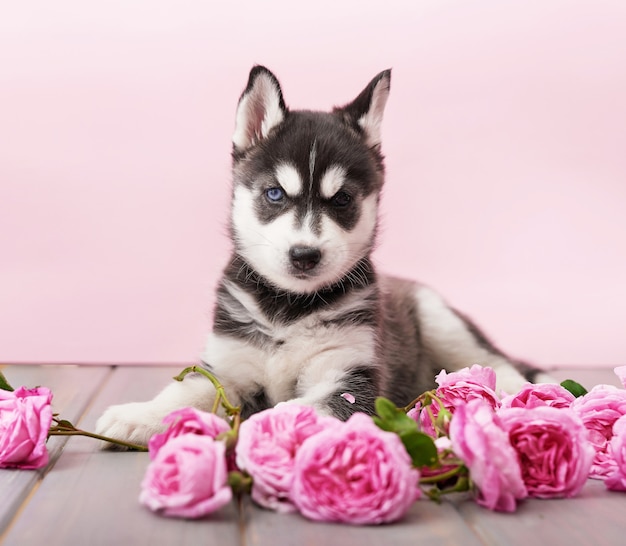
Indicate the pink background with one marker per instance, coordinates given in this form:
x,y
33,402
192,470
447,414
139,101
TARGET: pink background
x,y
505,137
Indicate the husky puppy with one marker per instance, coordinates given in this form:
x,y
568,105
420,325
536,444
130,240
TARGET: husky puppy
x,y
301,314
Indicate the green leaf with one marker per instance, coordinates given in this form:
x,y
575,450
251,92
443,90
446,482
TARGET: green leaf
x,y
4,384
575,388
391,418
420,447
382,424
385,408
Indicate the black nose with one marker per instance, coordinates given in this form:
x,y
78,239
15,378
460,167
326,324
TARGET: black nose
x,y
304,258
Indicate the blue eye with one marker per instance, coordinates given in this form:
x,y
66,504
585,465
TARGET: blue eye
x,y
274,195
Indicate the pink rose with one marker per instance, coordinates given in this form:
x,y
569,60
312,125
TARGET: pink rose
x,y
354,473
553,449
616,481
25,419
599,409
480,441
455,389
467,384
541,394
187,421
476,374
187,478
426,417
267,447
620,372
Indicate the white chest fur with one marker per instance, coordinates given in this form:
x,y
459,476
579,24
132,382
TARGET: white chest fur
x,y
302,360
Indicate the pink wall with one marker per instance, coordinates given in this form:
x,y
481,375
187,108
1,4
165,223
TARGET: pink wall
x,y
505,137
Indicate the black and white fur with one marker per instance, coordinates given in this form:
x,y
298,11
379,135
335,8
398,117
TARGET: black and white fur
x,y
301,314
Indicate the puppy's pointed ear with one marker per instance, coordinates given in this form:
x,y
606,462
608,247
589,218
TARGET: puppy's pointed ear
x,y
261,108
365,113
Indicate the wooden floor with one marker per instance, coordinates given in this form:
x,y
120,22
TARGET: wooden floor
x,y
89,497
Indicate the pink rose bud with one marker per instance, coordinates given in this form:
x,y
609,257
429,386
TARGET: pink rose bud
x,y
553,449
426,417
354,473
25,419
187,478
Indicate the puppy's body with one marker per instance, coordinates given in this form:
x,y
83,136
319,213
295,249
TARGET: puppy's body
x,y
301,315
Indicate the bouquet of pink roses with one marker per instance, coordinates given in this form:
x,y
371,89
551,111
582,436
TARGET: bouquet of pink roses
x,y
544,442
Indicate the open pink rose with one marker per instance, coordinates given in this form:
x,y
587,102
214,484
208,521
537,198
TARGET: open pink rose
x,y
480,375
354,473
616,481
267,447
483,445
599,409
456,388
541,394
187,421
25,418
553,449
187,478
475,383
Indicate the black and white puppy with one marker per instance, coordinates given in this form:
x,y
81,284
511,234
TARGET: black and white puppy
x,y
301,314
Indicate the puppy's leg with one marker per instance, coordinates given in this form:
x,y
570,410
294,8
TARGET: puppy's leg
x,y
232,361
454,342
340,394
138,421
342,379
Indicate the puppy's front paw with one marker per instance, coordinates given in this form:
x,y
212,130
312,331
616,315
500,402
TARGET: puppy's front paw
x,y
134,423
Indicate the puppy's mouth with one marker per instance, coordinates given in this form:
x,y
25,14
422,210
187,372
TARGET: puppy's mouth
x,y
311,273
304,275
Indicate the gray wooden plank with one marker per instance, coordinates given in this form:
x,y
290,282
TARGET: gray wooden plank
x,y
429,522
595,517
91,496
587,377
73,387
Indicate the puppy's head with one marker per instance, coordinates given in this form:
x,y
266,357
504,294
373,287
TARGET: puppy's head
x,y
306,185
